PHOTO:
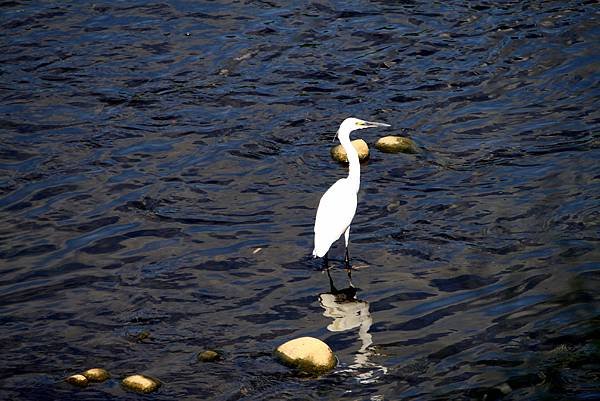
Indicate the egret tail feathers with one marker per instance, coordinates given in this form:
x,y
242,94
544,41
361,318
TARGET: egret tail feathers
x,y
319,252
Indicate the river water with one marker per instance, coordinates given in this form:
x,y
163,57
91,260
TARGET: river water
x,y
161,164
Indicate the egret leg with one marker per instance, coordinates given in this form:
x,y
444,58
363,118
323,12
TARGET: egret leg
x,y
332,288
347,257
347,260
326,262
349,271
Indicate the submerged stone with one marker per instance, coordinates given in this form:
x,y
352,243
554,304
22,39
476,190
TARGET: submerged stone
x,y
140,383
396,144
339,154
96,375
77,380
140,336
208,356
307,354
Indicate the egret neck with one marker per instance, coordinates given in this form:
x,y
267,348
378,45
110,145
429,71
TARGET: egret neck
x,y
354,169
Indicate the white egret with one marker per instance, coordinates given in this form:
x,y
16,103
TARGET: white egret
x,y
338,205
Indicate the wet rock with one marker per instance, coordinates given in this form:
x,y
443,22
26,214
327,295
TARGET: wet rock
x,y
307,354
140,384
77,380
339,154
396,144
393,206
140,336
504,388
96,375
208,356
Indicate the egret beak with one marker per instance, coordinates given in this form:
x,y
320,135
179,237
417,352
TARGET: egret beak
x,y
369,124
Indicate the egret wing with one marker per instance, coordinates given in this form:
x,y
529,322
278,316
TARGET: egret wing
x,y
335,213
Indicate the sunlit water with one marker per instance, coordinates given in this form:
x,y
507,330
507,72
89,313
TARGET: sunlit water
x,y
161,164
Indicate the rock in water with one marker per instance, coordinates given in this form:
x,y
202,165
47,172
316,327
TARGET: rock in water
x,y
77,380
339,154
396,144
307,354
208,356
96,375
140,383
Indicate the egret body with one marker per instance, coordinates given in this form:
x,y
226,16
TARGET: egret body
x,y
338,205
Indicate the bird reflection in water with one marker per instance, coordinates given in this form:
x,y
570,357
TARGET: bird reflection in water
x,y
349,313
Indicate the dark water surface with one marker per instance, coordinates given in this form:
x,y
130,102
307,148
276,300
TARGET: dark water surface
x,y
161,164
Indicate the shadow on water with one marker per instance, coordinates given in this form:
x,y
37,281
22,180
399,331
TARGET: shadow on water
x,y
161,164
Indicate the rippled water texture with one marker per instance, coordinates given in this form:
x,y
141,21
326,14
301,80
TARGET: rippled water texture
x,y
161,164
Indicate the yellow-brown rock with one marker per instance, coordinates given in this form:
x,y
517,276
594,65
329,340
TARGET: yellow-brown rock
x,y
339,154
140,384
96,375
307,354
77,380
208,356
396,144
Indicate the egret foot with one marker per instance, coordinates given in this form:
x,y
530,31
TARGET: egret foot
x,y
343,295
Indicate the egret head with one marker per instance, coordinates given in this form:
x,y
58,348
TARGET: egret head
x,y
351,124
